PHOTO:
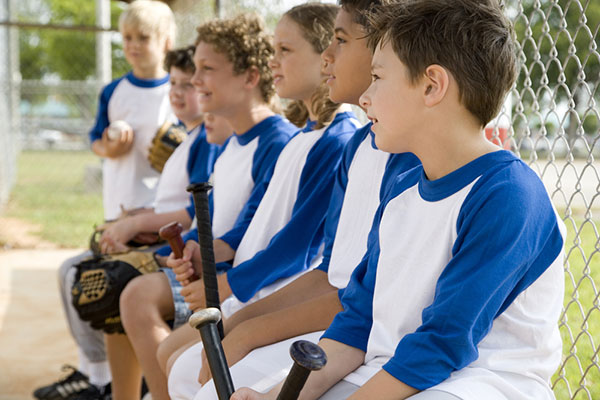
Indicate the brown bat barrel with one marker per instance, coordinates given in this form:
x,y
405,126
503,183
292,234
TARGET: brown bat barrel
x,y
172,234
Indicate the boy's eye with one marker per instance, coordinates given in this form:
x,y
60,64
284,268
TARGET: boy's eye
x,y
284,49
340,40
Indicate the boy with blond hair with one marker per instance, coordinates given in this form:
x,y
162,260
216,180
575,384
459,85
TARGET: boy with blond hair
x,y
459,294
141,99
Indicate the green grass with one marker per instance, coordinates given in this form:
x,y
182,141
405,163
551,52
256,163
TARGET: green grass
x,y
579,375
50,192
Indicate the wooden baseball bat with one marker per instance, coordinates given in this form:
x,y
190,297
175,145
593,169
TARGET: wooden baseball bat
x,y
205,239
172,234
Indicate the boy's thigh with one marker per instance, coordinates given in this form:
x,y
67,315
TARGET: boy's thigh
x,y
341,390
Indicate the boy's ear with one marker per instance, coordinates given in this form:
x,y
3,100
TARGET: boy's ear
x,y
168,44
435,84
252,77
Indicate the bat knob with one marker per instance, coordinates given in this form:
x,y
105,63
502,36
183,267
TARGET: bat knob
x,y
199,187
308,355
204,316
170,231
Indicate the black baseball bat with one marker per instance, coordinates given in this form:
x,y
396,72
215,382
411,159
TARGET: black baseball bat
x,y
307,357
205,239
206,322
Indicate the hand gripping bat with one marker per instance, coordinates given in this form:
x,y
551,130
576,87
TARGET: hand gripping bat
x,y
307,357
172,234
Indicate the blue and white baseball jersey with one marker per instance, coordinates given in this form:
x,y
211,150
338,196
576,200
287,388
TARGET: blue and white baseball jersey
x,y
286,233
191,162
463,284
240,178
361,179
129,181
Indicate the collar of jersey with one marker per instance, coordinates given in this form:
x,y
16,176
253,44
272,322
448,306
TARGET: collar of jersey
x,y
456,180
263,126
146,83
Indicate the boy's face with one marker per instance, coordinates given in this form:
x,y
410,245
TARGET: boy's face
x,y
219,87
348,61
184,98
217,129
393,103
143,51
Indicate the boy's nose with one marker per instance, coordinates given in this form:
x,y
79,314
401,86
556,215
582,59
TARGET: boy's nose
x,y
364,99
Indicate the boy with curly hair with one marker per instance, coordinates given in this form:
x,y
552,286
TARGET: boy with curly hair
x,y
234,82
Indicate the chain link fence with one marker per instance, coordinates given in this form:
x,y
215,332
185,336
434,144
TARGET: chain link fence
x,y
50,80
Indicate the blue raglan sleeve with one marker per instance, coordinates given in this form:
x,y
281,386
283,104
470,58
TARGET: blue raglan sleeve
x,y
201,162
508,235
102,121
293,247
337,197
263,165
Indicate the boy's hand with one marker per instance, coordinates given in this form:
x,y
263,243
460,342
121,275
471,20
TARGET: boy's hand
x,y
249,394
193,294
183,266
122,231
235,349
118,147
110,246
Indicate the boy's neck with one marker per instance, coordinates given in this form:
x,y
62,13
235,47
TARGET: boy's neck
x,y
149,73
244,118
189,125
447,145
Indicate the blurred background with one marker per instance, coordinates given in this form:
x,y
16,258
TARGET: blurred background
x,y
56,55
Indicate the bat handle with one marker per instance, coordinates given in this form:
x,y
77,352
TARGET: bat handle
x,y
307,357
172,234
206,321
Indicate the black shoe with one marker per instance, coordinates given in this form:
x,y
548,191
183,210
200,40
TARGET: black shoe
x,y
65,388
94,393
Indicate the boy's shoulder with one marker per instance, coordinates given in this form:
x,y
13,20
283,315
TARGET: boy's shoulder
x,y
273,130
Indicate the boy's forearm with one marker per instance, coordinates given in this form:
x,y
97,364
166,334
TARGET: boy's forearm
x,y
152,222
341,360
223,252
385,387
310,285
311,316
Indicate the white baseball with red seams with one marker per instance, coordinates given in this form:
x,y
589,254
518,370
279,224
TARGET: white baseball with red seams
x,y
115,128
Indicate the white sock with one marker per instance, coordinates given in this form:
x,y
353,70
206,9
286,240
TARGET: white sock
x,y
84,362
99,373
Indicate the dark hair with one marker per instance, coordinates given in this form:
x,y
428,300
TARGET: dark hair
x,y
316,22
357,8
182,59
472,39
245,43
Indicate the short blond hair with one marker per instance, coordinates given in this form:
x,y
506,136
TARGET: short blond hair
x,y
150,17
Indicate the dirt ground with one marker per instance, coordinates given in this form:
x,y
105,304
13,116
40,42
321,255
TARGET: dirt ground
x,y
34,338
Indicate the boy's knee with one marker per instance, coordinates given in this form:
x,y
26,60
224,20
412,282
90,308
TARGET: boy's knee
x,y
144,297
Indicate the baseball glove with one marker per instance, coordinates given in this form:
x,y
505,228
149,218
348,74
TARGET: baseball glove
x,y
99,282
166,140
